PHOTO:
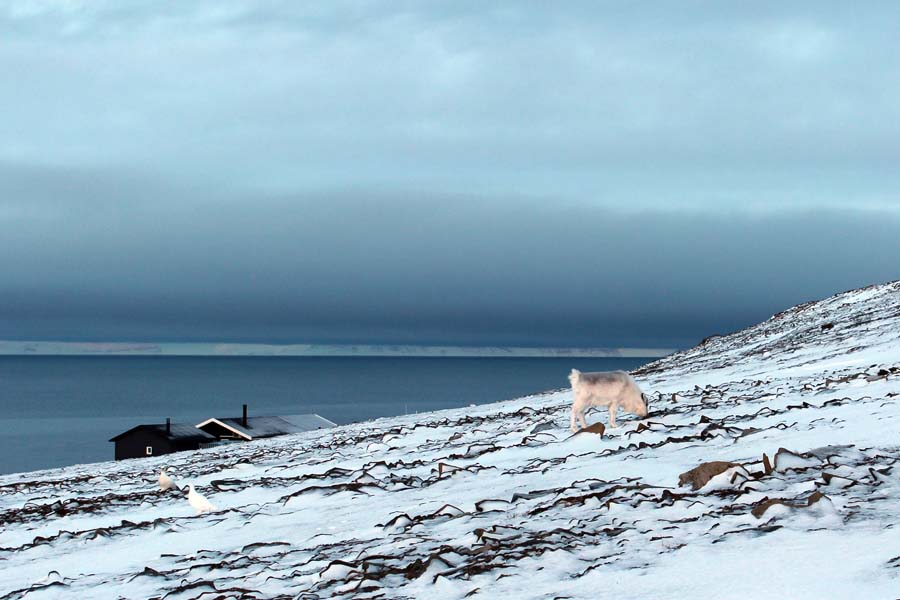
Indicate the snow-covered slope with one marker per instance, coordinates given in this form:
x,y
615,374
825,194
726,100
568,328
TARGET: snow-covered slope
x,y
501,501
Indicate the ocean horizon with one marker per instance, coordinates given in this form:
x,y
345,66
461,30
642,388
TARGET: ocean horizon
x,y
62,410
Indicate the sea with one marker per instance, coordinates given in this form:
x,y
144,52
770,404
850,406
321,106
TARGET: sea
x,y
62,410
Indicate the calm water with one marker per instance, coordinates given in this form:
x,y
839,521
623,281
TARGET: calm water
x,y
58,411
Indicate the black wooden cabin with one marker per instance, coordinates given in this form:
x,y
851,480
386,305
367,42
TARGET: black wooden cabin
x,y
153,440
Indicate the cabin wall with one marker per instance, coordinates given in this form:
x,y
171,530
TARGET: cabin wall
x,y
135,445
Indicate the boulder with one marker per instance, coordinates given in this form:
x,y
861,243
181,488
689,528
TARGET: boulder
x,y
766,503
598,428
699,476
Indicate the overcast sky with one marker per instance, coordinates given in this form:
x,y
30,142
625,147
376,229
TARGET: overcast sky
x,y
529,173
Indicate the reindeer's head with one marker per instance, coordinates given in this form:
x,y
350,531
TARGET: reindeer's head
x,y
646,408
639,406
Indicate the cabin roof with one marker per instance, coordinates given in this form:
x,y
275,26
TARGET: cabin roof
x,y
263,427
176,432
309,421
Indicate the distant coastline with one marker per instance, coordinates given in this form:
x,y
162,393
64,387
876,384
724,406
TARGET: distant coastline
x,y
44,348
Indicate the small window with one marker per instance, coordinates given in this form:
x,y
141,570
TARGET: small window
x,y
149,450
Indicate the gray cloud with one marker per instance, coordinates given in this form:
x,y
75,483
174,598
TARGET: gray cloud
x,y
357,267
439,172
518,98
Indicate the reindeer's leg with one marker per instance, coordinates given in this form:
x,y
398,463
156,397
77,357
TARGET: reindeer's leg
x,y
574,415
612,414
581,415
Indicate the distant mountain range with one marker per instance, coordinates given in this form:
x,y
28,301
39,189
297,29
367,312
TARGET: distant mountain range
x,y
205,349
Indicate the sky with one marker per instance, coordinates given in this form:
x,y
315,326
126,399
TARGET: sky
x,y
507,173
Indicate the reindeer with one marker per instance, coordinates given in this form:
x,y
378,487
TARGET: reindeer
x,y
613,389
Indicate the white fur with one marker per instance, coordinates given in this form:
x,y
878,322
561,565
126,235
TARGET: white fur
x,y
614,389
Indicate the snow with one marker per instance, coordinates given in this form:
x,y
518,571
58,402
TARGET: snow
x,y
501,500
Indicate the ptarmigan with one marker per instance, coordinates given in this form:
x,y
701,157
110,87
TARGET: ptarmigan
x,y
166,482
199,501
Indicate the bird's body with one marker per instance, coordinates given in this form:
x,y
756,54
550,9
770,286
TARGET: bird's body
x,y
166,482
199,501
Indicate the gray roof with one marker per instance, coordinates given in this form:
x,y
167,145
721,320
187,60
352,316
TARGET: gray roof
x,y
176,432
263,427
309,421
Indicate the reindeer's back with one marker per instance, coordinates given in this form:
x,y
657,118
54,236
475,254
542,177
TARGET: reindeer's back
x,y
605,377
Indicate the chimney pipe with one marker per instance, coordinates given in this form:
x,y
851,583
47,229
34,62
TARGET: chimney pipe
x,y
168,426
244,420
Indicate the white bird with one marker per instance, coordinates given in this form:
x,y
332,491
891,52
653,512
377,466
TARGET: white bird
x,y
199,501
166,482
